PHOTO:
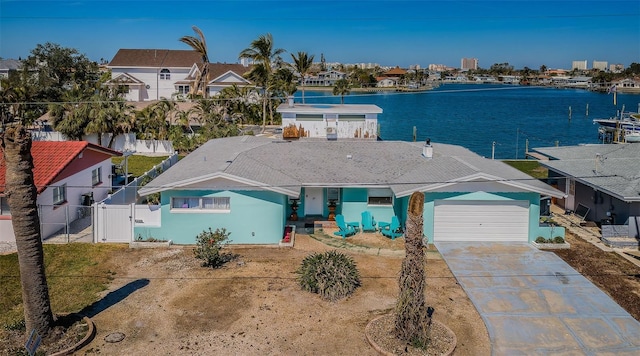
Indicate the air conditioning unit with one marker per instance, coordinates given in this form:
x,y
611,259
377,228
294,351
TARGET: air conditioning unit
x,y
331,131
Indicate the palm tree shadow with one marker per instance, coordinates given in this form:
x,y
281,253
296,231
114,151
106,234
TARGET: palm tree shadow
x,y
114,297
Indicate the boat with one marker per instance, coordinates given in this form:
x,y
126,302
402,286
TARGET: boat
x,y
632,137
615,129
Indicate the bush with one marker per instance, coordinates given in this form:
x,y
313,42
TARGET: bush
x,y
331,274
558,240
209,246
540,240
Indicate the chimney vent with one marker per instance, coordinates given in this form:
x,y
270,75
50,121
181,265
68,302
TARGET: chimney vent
x,y
427,150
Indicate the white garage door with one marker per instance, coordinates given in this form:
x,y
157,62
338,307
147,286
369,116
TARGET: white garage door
x,y
462,220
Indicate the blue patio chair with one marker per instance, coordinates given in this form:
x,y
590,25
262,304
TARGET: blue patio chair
x,y
344,229
392,229
368,223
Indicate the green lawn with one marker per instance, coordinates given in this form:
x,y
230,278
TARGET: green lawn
x,y
76,273
139,165
530,167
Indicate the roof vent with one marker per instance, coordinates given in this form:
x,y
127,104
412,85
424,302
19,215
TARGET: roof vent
x,y
427,150
349,156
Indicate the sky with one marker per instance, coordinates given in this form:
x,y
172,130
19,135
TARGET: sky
x,y
522,33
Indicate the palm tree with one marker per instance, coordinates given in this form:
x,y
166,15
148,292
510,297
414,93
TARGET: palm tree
x,y
262,53
199,44
341,88
72,115
21,195
302,63
412,316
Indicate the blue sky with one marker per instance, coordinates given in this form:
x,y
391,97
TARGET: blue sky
x,y
523,33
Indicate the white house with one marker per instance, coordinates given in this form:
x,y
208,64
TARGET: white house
x,y
153,74
68,176
330,121
327,79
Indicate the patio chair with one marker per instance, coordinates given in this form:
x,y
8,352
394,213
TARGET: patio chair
x,y
345,230
368,223
392,229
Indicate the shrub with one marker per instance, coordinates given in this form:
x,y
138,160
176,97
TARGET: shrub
x,y
558,240
540,240
331,274
209,247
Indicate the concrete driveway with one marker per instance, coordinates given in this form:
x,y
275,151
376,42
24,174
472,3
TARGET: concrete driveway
x,y
534,303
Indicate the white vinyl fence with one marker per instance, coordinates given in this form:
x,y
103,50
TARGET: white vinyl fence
x,y
122,142
129,194
115,223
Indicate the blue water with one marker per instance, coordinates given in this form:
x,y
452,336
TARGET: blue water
x,y
476,115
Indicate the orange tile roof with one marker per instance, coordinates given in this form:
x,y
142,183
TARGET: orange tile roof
x,y
49,159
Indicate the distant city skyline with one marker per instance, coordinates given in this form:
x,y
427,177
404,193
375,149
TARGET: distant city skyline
x,y
390,33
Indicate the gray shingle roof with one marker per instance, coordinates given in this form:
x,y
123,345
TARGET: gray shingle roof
x,y
286,166
614,169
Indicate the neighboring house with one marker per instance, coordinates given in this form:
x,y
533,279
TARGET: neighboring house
x,y
601,181
153,74
67,175
325,79
247,185
387,82
330,121
628,85
395,72
8,65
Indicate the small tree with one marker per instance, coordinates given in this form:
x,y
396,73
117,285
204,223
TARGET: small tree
x,y
209,247
412,316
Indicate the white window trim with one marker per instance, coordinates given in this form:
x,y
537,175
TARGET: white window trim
x,y
64,195
200,209
4,203
98,175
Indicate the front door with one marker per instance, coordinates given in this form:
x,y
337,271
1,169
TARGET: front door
x,y
313,201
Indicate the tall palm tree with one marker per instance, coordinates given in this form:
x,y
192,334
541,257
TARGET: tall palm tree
x,y
341,88
302,63
413,318
199,44
262,53
21,195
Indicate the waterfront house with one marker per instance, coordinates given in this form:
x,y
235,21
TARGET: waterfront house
x,y
601,182
387,82
628,85
325,79
69,176
252,186
329,121
153,74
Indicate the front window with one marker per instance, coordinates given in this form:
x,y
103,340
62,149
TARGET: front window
x,y
60,194
4,206
96,176
165,74
382,196
183,89
208,204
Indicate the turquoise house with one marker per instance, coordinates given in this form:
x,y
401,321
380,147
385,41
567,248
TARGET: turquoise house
x,y
250,185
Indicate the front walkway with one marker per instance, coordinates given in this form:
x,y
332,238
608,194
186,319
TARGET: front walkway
x,y
534,303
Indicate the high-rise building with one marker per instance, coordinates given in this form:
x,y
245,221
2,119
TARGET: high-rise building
x,y
580,65
469,63
616,68
600,65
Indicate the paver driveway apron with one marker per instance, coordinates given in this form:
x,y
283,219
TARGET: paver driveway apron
x,y
534,303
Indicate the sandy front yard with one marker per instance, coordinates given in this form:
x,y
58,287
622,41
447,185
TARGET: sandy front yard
x,y
166,304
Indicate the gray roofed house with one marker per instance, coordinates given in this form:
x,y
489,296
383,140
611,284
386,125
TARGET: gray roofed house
x,y
602,182
254,186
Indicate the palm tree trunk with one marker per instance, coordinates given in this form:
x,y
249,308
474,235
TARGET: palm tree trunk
x,y
264,112
411,313
21,193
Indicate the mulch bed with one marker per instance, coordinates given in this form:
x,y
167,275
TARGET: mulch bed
x,y
616,276
67,332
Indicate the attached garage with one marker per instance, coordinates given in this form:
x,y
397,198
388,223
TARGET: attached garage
x,y
465,220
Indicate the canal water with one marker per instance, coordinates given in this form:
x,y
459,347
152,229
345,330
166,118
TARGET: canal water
x,y
483,116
